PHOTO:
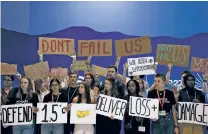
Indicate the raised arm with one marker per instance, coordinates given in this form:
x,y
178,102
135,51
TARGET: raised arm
x,y
125,67
169,71
204,86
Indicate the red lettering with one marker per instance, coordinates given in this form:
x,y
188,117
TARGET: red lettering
x,y
126,47
53,45
83,45
98,48
60,45
45,45
104,49
92,48
67,44
138,46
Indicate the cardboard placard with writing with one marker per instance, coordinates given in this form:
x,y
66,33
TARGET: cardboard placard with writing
x,y
199,64
178,55
133,46
81,65
99,70
37,71
8,69
94,47
59,72
61,46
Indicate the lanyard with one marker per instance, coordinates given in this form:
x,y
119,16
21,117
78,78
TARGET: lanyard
x,y
56,99
189,95
162,102
25,97
69,99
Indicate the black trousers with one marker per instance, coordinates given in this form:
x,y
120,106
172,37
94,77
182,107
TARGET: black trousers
x,y
68,128
7,130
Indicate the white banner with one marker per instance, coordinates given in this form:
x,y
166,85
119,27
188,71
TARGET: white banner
x,y
144,107
83,114
18,114
51,113
140,66
193,113
110,106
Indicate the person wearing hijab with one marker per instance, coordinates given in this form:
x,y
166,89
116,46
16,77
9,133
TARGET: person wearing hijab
x,y
190,94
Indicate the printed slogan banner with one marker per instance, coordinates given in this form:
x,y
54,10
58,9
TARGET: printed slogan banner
x,y
140,66
178,55
83,114
193,113
144,107
94,47
18,114
59,46
133,46
110,106
199,64
8,69
51,113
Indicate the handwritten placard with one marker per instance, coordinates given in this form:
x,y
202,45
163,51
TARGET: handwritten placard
x,y
8,69
143,107
94,47
61,46
59,72
83,114
133,46
37,71
178,55
18,114
81,65
99,70
199,64
140,66
51,113
193,113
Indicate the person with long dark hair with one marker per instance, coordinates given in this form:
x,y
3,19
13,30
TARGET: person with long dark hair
x,y
24,95
131,123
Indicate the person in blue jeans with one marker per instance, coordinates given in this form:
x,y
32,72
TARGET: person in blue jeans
x,y
167,121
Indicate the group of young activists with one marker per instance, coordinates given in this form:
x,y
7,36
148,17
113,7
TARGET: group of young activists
x,y
52,90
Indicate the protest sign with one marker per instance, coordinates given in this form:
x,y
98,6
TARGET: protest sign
x,y
59,72
8,69
94,47
81,65
140,66
111,106
193,113
18,114
99,70
178,55
199,64
143,107
83,114
133,46
59,46
51,113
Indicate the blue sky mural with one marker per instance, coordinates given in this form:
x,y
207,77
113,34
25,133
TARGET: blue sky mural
x,y
176,19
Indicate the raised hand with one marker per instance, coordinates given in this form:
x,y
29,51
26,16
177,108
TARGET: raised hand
x,y
170,65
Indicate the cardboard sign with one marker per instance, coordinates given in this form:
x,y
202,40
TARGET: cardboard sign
x,y
59,72
51,113
144,107
140,66
8,69
83,114
18,114
94,47
99,70
81,65
111,106
133,46
193,113
178,55
199,64
37,71
59,46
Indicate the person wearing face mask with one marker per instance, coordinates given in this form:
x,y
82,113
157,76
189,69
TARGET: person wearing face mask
x,y
108,125
167,121
84,97
24,95
131,123
190,94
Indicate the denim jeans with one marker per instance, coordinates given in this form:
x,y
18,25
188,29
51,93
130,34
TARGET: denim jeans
x,y
23,129
164,125
52,128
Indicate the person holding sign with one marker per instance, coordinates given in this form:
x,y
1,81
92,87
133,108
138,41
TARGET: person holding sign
x,y
132,124
167,122
108,125
190,94
21,96
84,97
54,96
